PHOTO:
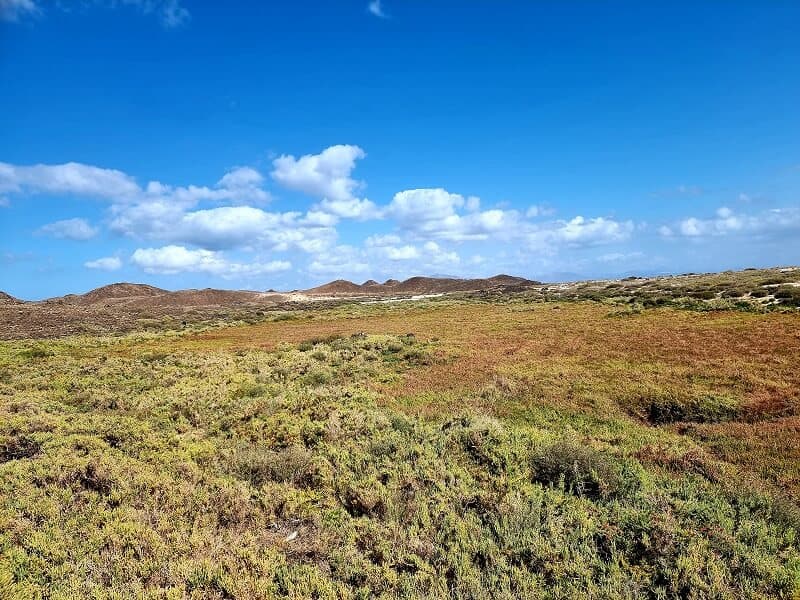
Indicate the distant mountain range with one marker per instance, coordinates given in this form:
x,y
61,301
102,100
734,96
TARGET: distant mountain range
x,y
417,286
139,295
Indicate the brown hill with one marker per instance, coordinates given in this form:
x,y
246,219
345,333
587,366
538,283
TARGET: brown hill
x,y
418,285
339,286
205,297
8,299
117,291
142,296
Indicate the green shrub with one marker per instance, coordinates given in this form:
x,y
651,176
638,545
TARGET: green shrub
x,y
789,295
251,390
36,352
580,469
258,464
669,408
702,294
317,377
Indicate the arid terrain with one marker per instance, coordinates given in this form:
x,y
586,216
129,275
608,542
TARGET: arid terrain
x,y
125,307
500,439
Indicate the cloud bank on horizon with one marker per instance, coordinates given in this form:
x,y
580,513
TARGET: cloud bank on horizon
x,y
227,230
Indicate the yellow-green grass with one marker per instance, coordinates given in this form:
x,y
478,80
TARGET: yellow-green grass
x,y
522,449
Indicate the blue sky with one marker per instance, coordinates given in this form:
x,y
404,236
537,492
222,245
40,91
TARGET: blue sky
x,y
283,144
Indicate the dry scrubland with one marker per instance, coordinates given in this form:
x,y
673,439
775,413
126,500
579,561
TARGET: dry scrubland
x,y
512,448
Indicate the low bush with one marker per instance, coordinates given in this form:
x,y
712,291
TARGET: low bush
x,y
16,447
579,469
673,408
258,464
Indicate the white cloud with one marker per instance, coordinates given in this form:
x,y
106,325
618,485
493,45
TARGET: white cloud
x,y
173,259
78,179
577,232
167,213
727,222
108,263
353,208
593,231
324,175
341,261
378,241
407,252
242,183
170,13
69,178
473,204
434,213
617,257
538,210
227,227
14,10
70,229
436,255
376,8
327,176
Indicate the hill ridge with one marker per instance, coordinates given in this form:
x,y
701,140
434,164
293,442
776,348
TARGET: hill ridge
x,y
419,285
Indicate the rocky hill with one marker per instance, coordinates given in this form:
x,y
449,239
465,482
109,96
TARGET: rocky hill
x,y
8,299
418,286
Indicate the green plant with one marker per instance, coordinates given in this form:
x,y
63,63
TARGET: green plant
x,y
579,469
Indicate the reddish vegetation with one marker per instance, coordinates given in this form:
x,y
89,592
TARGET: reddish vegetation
x,y
577,358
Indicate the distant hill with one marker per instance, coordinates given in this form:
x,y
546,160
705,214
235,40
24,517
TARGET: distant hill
x,y
143,296
116,291
8,299
339,286
417,286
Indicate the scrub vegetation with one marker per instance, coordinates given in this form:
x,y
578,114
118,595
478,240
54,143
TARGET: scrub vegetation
x,y
448,448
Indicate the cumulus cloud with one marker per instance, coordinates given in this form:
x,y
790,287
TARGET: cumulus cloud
x,y
171,214
70,229
354,208
384,256
225,227
327,176
378,241
598,230
108,263
69,178
617,257
728,222
172,259
434,213
78,179
577,232
190,227
341,261
407,252
538,210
